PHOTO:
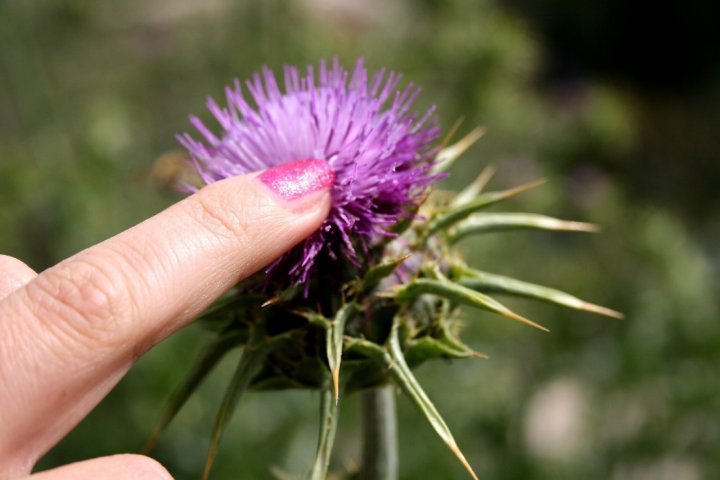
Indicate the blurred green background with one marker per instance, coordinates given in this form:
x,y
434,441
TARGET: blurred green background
x,y
617,103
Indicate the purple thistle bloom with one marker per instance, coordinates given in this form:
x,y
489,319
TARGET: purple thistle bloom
x,y
379,151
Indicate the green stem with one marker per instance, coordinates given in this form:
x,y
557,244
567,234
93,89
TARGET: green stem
x,y
380,450
328,425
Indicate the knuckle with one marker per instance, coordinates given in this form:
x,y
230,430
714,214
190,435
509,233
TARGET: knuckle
x,y
219,216
83,301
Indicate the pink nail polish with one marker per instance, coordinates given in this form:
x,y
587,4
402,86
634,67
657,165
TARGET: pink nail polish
x,y
293,180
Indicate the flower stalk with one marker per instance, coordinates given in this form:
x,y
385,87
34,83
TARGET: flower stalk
x,y
380,444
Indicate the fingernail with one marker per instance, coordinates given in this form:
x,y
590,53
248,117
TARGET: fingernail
x,y
292,181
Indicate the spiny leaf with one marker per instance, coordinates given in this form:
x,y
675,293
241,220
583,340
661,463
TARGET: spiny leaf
x,y
453,214
313,317
365,348
460,294
475,188
326,438
492,283
425,348
492,222
450,339
271,301
451,133
448,155
378,272
208,359
250,362
284,296
405,379
334,343
440,343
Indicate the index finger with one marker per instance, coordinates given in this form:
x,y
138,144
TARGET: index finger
x,y
71,333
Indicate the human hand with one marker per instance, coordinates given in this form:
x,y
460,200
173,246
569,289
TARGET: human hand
x,y
70,333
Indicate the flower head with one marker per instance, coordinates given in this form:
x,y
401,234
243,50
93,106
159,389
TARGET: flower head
x,y
400,307
379,150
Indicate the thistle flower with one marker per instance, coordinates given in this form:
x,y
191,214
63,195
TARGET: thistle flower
x,y
378,149
394,280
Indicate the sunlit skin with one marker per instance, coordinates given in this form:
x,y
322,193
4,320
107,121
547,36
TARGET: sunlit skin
x,y
70,333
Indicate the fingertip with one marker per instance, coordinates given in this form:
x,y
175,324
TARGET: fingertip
x,y
259,216
294,182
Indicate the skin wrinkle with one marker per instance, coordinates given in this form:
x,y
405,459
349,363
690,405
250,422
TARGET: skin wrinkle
x,y
89,302
144,265
211,214
143,255
158,273
158,262
131,265
171,257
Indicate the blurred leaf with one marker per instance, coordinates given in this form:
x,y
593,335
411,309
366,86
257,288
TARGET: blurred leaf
x,y
448,155
469,193
250,362
208,359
